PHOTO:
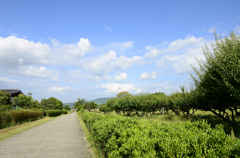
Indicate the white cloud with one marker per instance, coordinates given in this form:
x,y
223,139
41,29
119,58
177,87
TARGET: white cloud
x,y
8,80
120,76
116,46
174,46
211,29
146,76
185,54
57,89
107,28
12,49
39,72
108,62
237,29
116,88
68,54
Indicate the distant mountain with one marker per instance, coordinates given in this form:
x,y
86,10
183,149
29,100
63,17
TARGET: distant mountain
x,y
70,104
98,101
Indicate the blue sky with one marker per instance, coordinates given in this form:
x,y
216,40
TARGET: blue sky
x,y
93,49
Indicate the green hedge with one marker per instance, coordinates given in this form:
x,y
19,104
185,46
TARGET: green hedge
x,y
64,111
54,113
15,117
119,136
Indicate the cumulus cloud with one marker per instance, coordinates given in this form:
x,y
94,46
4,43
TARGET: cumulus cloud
x,y
108,62
173,47
180,54
146,76
12,49
57,89
120,76
181,62
237,29
116,88
39,72
8,80
68,54
116,46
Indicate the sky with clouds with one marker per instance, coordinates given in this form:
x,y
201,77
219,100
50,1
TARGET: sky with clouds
x,y
93,49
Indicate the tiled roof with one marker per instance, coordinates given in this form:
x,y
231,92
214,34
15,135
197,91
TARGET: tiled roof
x,y
12,91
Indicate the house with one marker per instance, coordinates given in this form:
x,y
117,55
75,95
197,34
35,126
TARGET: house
x,y
13,92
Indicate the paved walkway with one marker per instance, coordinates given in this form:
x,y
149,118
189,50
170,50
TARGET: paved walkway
x,y
61,138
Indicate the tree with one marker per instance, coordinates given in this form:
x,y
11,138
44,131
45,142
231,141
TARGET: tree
x,y
22,101
52,104
123,94
35,104
104,108
183,102
219,78
5,98
66,107
90,106
78,103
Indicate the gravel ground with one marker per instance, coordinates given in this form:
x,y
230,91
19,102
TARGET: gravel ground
x,y
62,137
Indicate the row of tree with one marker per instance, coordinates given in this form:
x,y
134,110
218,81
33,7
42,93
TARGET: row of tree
x,y
27,102
217,87
82,104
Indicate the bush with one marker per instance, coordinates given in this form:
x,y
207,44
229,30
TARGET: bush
x,y
64,111
21,116
119,136
44,112
5,119
54,113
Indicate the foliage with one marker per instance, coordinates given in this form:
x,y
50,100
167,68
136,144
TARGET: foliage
x,y
90,106
219,78
18,117
64,111
145,103
119,136
51,104
5,98
66,107
77,104
183,102
54,113
35,104
22,101
104,108
123,94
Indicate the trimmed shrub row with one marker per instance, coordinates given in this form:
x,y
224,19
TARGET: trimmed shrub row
x,y
18,117
54,113
14,117
119,136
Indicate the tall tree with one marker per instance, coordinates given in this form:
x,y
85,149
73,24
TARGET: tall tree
x,y
219,78
22,101
78,103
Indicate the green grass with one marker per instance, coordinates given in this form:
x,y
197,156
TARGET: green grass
x,y
11,131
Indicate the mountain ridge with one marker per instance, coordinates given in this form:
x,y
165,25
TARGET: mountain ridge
x,y
98,101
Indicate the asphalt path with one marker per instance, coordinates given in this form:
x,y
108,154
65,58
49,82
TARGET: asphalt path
x,y
62,137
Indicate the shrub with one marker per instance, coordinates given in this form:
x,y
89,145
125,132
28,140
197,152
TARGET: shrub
x,y
21,116
5,118
54,113
64,111
119,136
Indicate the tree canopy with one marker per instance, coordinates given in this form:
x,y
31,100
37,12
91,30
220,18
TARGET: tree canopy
x,y
219,78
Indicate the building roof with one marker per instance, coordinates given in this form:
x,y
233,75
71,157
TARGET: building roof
x,y
13,92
